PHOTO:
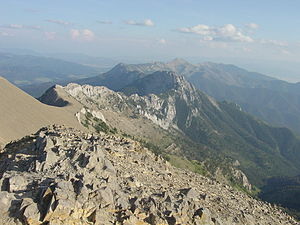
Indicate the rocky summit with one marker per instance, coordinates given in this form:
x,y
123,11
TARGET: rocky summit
x,y
63,176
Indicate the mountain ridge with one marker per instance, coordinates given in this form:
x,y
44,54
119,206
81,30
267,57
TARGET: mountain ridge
x,y
218,126
223,82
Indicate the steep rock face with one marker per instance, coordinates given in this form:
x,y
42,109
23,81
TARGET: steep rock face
x,y
53,98
115,79
63,176
158,95
270,99
151,106
146,99
242,178
208,129
156,83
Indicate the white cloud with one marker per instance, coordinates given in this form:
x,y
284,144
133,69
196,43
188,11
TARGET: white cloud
x,y
208,38
5,34
21,26
50,35
15,26
146,23
285,52
162,41
198,29
245,49
75,34
252,26
227,32
104,21
273,42
59,22
85,34
33,27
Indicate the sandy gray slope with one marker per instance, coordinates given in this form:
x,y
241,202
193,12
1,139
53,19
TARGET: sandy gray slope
x,y
21,114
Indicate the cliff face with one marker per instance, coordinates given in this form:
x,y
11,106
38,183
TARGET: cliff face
x,y
208,135
64,176
205,130
156,97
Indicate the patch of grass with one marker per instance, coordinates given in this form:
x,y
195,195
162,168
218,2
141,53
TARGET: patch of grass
x,y
101,126
194,166
253,192
98,124
88,115
152,147
86,123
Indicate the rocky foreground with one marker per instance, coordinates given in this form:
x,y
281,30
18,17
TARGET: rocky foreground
x,y
64,176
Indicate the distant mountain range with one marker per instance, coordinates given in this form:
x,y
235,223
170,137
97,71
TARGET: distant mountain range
x,y
270,99
101,63
28,69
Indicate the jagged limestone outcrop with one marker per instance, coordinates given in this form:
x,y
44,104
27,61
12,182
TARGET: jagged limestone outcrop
x,y
272,100
64,176
145,101
206,130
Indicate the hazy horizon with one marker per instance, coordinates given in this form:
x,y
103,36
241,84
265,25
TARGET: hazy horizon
x,y
283,70
257,35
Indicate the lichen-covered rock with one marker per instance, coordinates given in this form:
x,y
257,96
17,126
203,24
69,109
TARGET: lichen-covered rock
x,y
64,176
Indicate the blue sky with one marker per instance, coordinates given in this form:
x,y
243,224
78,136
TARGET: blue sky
x,y
156,29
